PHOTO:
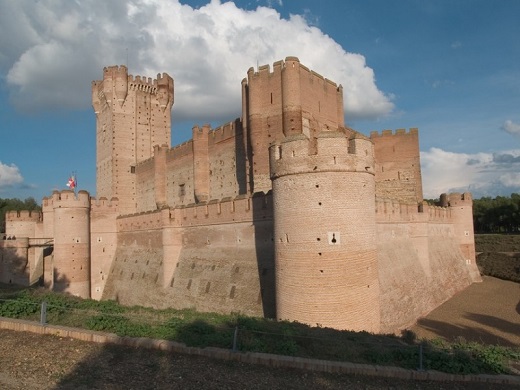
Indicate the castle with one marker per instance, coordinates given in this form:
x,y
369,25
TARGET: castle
x,y
285,212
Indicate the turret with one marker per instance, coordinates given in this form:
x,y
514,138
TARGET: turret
x,y
461,206
120,75
71,264
325,231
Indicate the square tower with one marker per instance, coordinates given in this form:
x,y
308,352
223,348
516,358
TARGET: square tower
x,y
132,116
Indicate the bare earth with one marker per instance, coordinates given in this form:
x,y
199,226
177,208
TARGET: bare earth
x,y
488,311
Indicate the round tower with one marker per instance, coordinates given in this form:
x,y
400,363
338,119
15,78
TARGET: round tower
x,y
71,270
461,206
325,231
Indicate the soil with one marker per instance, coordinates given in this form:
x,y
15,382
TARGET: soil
x,y
488,312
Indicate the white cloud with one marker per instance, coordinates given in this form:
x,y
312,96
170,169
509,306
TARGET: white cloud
x,y
511,127
483,174
53,49
9,175
456,44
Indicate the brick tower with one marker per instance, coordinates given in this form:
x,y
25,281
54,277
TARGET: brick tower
x,y
71,257
325,231
132,116
290,99
324,209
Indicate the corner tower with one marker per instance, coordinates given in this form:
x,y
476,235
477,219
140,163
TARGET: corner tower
x,y
71,257
132,116
325,231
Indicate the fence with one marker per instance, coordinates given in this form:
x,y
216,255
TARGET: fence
x,y
243,334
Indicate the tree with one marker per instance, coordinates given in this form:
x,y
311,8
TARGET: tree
x,y
16,204
498,215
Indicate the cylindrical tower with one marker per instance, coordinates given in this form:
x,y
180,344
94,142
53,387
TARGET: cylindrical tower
x,y
461,206
71,271
325,231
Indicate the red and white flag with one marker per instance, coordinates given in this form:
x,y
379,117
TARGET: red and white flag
x,y
72,182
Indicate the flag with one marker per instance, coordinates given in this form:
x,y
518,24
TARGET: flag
x,y
72,182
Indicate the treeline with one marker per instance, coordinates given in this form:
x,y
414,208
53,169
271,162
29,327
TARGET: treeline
x,y
497,215
15,204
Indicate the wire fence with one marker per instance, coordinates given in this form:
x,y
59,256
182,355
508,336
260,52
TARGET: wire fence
x,y
244,334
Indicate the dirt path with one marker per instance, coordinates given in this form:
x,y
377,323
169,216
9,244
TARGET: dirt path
x,y
487,312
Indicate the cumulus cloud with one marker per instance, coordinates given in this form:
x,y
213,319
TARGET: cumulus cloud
x,y
9,176
511,128
55,48
483,174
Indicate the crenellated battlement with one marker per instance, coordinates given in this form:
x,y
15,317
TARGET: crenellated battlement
x,y
222,133
98,205
181,150
23,216
115,71
331,151
389,210
264,71
67,199
150,220
457,199
116,80
398,132
227,210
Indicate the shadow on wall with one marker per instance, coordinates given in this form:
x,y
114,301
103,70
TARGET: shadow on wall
x,y
61,283
264,246
14,269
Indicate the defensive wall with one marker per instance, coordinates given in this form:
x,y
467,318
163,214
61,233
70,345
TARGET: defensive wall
x,y
216,256
421,264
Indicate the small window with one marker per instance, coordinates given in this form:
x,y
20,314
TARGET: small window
x,y
132,169
182,190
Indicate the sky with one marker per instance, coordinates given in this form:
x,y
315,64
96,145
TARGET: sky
x,y
451,68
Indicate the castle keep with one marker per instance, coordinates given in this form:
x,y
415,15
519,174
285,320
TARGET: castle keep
x,y
285,212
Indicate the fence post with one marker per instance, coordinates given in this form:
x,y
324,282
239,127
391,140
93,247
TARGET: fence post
x,y
43,313
421,357
235,336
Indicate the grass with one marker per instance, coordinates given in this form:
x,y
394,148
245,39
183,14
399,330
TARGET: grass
x,y
255,334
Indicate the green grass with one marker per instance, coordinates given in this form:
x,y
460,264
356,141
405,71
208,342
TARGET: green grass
x,y
255,334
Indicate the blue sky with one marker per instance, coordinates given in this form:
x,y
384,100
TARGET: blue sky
x,y
449,67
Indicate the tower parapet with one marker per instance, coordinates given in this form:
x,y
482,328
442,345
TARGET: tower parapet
x,y
325,231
